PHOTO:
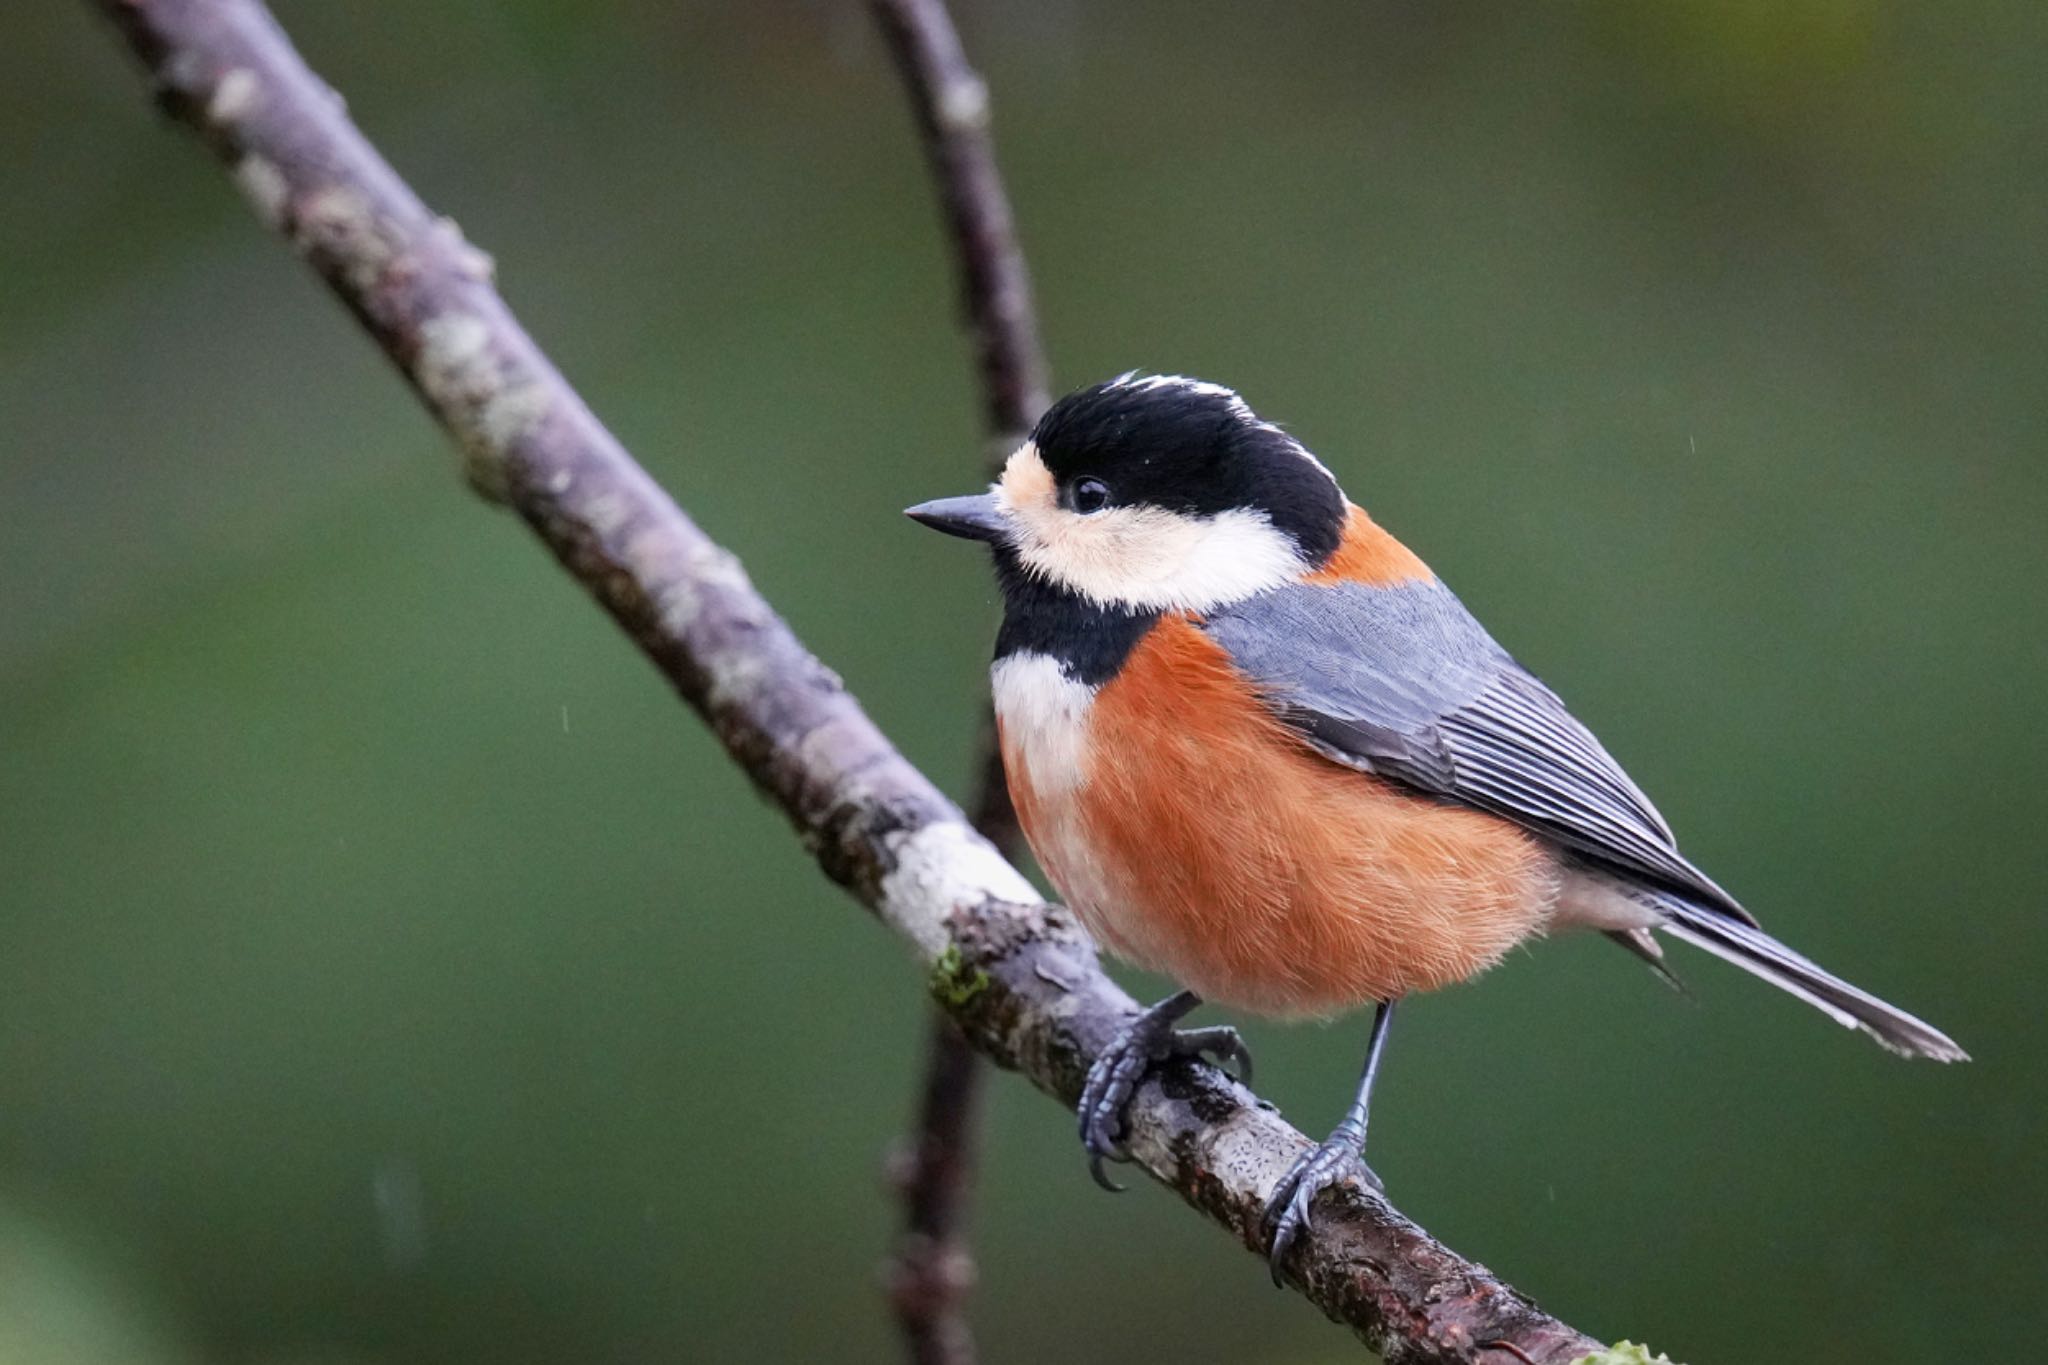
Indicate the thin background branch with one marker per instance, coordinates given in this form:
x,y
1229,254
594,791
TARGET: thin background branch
x,y
951,104
1015,972
933,1269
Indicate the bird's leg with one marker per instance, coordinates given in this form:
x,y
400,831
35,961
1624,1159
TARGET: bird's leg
x,y
1149,1038
1321,1167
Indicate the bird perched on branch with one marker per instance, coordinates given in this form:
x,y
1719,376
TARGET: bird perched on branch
x,y
1260,748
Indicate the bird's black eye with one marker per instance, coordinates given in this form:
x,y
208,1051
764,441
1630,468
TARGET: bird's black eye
x,y
1090,495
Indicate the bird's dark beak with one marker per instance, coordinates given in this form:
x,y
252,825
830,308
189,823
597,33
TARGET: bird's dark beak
x,y
970,518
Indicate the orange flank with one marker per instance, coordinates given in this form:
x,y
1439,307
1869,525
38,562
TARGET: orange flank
x,y
1368,554
1208,842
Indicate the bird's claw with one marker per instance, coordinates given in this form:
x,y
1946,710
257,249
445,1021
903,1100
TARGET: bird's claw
x,y
1334,1162
1115,1077
1221,1044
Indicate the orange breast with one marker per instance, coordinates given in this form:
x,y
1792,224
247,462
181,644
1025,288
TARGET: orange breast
x,y
1207,842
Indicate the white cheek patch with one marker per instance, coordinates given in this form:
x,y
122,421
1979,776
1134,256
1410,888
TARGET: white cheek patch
x,y
1158,560
1143,558
1044,715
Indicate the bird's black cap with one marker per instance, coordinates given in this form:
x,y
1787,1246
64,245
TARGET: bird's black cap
x,y
1191,447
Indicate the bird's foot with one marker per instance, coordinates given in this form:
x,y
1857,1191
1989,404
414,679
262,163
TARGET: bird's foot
x,y
1335,1161
1148,1039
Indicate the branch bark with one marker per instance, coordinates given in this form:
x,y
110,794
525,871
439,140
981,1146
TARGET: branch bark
x,y
1015,972
951,104
933,1268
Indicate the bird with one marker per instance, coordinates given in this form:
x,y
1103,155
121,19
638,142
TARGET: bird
x,y
1260,748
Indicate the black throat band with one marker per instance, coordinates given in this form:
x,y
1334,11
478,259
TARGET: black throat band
x,y
1090,642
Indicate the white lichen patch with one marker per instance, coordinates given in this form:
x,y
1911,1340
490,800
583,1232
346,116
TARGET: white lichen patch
x,y
340,225
937,869
822,746
680,588
704,573
647,554
460,373
717,567
676,607
735,677
471,259
510,414
264,186
606,513
237,95
452,346
963,104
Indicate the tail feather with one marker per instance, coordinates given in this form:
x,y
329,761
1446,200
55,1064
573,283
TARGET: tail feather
x,y
1757,952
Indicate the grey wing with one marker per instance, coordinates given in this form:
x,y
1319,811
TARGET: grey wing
x,y
1403,683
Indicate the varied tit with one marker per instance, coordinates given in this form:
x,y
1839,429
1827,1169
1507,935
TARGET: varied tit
x,y
1260,748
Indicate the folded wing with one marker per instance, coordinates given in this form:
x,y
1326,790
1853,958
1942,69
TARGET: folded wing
x,y
1403,683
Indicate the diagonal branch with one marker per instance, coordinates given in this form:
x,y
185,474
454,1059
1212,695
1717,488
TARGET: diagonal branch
x,y
932,1269
1014,971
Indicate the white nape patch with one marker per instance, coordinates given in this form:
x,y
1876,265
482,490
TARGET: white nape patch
x,y
1142,558
1044,715
1147,383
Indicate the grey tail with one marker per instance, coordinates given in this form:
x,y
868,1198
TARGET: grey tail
x,y
1757,952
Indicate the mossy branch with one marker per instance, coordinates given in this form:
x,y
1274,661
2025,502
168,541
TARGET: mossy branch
x,y
872,821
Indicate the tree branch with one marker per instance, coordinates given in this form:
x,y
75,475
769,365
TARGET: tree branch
x,y
1015,971
951,104
933,1268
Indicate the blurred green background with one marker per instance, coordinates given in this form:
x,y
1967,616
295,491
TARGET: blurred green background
x,y
394,972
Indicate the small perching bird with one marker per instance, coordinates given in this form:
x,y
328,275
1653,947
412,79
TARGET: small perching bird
x,y
1260,748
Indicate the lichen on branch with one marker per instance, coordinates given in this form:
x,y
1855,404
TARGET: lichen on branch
x,y
874,823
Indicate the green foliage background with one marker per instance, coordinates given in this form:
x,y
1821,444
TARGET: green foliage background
x,y
393,972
